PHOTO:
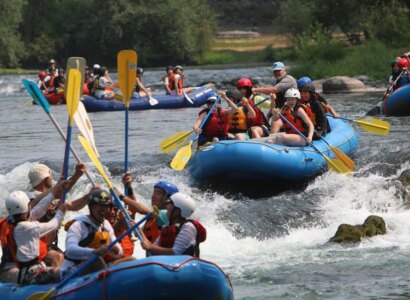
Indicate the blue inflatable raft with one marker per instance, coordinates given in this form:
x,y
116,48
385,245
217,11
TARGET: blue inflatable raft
x,y
198,96
257,162
158,277
398,104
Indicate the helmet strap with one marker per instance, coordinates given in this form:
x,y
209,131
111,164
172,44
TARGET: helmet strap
x,y
93,218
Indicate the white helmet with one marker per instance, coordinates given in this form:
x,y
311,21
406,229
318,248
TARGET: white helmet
x,y
292,93
38,173
17,203
185,203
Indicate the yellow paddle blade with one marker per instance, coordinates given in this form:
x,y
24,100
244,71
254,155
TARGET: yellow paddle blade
x,y
175,141
337,166
91,154
77,63
42,295
73,92
343,158
182,157
374,125
127,73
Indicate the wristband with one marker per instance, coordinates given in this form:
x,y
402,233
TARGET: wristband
x,y
121,197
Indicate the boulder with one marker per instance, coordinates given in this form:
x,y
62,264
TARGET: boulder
x,y
343,84
405,177
373,225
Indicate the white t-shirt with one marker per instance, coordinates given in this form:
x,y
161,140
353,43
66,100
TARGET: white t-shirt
x,y
185,239
79,231
28,233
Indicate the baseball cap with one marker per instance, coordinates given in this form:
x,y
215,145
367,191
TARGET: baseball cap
x,y
277,66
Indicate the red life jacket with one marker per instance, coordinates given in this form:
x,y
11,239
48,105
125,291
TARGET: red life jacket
x,y
296,121
217,125
258,120
50,83
7,241
169,234
151,229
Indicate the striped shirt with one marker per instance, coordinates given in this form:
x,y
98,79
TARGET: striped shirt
x,y
185,239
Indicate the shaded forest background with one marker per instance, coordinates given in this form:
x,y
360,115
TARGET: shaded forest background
x,y
181,31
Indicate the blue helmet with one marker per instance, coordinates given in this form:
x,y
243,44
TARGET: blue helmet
x,y
301,81
168,187
140,70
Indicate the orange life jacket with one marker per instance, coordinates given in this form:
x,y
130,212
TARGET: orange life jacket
x,y
296,121
95,239
237,121
50,83
169,234
126,243
171,80
151,229
7,241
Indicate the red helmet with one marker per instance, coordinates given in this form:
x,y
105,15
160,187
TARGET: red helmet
x,y
42,74
403,63
244,82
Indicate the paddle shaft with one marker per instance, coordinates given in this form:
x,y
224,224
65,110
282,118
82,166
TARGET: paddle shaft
x,y
60,131
96,256
126,139
67,156
206,118
300,133
390,88
122,208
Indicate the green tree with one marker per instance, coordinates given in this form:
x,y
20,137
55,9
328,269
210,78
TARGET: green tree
x,y
10,42
389,23
295,17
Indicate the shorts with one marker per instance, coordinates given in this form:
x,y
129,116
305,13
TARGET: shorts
x,y
265,130
245,133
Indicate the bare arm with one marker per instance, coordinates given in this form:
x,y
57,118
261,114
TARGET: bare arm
x,y
265,90
302,114
198,122
251,112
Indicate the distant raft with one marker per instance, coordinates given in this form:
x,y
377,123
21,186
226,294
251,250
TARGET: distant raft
x,y
156,277
256,161
398,104
198,96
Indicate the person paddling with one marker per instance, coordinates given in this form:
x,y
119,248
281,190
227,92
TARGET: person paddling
x,y
295,114
23,237
238,121
183,235
216,127
140,90
168,85
258,125
90,234
161,192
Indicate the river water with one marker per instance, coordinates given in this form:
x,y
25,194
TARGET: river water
x,y
273,247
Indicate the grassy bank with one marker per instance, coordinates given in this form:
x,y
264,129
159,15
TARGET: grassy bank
x,y
318,61
16,71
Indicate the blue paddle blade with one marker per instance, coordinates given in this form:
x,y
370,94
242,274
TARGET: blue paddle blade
x,y
36,94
